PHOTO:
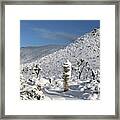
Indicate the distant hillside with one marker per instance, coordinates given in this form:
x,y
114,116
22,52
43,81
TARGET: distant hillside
x,y
31,53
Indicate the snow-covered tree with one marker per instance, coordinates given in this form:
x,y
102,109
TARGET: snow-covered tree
x,y
66,74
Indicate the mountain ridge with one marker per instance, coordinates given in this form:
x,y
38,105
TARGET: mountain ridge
x,y
31,53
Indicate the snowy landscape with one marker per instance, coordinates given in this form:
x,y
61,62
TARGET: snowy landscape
x,y
56,72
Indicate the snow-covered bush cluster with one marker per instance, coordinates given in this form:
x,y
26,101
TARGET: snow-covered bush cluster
x,y
43,77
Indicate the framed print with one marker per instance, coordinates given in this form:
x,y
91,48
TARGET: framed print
x,y
60,59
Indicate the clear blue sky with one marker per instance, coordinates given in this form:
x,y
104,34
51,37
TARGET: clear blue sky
x,y
55,32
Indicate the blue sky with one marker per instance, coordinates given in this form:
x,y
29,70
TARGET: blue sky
x,y
53,32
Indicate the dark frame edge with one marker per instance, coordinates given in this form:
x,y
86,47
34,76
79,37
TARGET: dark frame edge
x,y
117,38
2,59
2,63
0,66
68,117
60,2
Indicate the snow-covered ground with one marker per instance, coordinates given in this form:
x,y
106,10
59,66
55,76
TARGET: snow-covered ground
x,y
42,79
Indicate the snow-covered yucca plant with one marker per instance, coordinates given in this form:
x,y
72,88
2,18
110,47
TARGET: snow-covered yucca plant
x,y
66,74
